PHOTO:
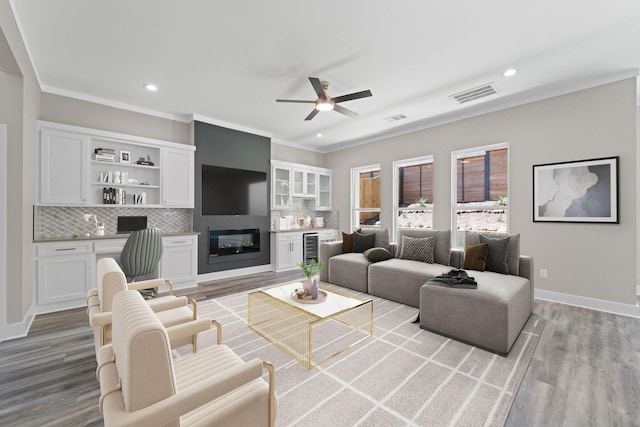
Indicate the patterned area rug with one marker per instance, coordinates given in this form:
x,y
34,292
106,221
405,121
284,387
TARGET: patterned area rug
x,y
401,376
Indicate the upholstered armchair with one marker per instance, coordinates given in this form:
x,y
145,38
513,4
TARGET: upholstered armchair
x,y
141,384
173,312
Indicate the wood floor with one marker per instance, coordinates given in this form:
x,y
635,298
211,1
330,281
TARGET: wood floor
x,y
585,371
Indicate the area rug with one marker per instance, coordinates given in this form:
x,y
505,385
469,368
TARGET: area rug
x,y
401,376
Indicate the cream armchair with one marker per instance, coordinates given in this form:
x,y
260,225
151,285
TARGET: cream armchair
x,y
173,312
141,385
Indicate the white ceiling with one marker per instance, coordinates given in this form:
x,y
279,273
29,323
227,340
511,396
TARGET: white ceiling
x,y
227,62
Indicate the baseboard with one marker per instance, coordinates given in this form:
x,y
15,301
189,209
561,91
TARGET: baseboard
x,y
233,273
591,303
21,329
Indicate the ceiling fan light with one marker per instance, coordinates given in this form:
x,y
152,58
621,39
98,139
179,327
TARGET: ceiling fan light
x,y
322,105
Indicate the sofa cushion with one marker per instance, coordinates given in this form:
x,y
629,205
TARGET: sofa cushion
x,y
382,236
418,248
400,279
377,254
475,257
442,249
497,254
362,242
350,271
513,259
347,242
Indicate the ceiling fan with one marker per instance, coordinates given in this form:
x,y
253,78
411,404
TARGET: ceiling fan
x,y
325,102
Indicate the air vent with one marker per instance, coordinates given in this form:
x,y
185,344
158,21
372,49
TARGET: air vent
x,y
475,93
395,118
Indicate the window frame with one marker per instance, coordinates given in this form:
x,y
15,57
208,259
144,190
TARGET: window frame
x,y
454,186
396,182
355,194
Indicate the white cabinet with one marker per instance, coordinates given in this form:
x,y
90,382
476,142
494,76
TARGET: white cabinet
x,y
65,271
63,167
287,250
140,172
280,187
180,260
323,198
304,183
177,178
327,235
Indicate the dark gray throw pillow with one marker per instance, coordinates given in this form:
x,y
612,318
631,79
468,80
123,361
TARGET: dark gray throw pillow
x,y
377,254
418,249
362,242
497,254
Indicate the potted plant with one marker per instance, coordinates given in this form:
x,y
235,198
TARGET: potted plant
x,y
311,270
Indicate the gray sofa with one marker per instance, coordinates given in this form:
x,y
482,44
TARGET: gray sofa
x,y
490,316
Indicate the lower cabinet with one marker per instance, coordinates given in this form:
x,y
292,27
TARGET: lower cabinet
x,y
287,250
66,271
180,260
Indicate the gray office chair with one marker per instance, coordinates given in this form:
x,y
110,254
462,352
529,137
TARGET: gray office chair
x,y
141,255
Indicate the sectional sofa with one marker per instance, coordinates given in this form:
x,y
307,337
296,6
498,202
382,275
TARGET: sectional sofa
x,y
490,316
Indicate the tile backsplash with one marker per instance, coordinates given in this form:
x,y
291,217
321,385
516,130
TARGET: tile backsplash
x,y
302,208
64,221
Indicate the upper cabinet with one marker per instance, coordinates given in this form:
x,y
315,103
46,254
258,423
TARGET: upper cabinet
x,y
177,175
63,167
280,186
80,166
293,180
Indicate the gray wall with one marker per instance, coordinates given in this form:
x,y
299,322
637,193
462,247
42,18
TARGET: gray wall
x,y
590,260
219,146
286,153
61,109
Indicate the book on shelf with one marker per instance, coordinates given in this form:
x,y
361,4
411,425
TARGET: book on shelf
x,y
101,150
105,158
144,163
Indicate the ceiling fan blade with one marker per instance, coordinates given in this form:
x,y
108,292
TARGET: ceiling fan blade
x,y
299,101
312,114
345,111
317,86
352,96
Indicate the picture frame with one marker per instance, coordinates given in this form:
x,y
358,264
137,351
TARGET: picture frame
x,y
576,191
125,156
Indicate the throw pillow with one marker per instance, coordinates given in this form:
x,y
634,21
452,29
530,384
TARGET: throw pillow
x,y
362,242
475,257
418,249
497,255
347,242
377,254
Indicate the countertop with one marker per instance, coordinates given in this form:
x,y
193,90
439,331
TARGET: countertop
x,y
106,237
303,230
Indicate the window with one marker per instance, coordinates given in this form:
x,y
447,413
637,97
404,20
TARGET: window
x,y
365,196
413,193
480,190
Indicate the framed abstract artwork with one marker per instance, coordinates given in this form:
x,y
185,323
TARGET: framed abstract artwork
x,y
577,191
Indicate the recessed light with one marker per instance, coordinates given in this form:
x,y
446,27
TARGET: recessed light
x,y
510,72
150,87
319,135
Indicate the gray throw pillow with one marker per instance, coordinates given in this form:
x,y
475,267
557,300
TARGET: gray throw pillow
x,y
497,254
362,242
418,249
377,254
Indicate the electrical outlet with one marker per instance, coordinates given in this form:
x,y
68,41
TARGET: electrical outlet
x,y
544,273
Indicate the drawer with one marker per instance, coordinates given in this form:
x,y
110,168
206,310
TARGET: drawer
x,y
174,241
110,246
288,237
64,248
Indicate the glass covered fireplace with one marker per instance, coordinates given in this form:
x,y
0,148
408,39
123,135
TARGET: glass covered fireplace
x,y
233,242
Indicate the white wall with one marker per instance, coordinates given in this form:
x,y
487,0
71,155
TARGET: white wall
x,y
295,155
3,228
589,260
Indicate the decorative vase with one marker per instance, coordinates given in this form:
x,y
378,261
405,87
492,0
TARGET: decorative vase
x,y
307,285
314,288
116,177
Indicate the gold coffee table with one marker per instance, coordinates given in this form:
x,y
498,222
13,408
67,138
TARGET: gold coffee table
x,y
310,331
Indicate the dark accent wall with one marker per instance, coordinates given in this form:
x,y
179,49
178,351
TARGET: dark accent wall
x,y
220,146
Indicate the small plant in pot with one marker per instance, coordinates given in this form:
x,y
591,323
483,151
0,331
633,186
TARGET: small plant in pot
x,y
311,270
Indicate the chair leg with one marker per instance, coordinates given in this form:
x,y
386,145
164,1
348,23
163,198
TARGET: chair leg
x,y
272,393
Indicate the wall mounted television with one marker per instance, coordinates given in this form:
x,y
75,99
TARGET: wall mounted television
x,y
229,191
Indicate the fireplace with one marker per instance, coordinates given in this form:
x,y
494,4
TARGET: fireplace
x,y
233,242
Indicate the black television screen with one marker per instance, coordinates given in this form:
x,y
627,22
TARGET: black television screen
x,y
228,191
